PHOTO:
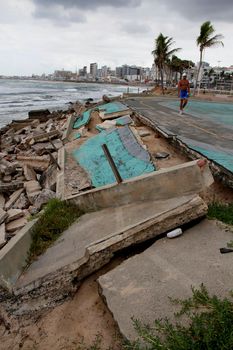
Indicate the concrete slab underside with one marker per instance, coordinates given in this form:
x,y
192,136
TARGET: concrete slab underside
x,y
141,286
91,242
207,136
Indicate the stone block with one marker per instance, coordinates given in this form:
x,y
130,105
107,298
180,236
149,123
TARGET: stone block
x,y
36,162
22,202
43,198
12,186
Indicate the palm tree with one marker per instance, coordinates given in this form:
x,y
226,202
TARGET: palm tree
x,y
204,40
162,53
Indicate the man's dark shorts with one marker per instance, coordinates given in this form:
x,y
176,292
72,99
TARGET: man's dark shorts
x,y
184,94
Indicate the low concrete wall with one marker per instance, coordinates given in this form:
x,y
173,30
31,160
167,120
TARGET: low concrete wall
x,y
186,179
14,255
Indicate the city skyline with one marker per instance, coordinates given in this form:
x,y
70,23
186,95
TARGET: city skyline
x,y
40,36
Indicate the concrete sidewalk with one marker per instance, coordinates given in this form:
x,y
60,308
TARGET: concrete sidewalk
x,y
91,242
140,287
204,133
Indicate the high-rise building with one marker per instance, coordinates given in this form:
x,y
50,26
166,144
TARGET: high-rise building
x,y
93,69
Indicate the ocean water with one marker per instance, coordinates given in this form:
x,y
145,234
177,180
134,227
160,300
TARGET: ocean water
x,y
17,97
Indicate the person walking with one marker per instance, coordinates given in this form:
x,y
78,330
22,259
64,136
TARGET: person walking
x,y
183,91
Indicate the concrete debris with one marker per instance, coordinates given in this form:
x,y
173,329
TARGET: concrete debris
x,y
33,189
46,136
14,214
10,187
39,163
41,114
2,201
29,172
144,133
16,225
43,198
161,155
2,235
49,178
22,202
13,198
3,215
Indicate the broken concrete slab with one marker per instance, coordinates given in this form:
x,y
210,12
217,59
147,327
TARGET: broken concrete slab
x,y
185,179
29,172
16,225
9,187
41,114
2,201
91,242
14,214
49,178
46,136
13,256
21,203
43,198
13,198
2,235
141,286
3,215
33,189
39,163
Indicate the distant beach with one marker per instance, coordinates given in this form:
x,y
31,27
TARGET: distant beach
x,y
17,97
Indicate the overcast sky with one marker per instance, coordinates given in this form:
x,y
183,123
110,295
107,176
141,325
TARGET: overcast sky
x,y
39,36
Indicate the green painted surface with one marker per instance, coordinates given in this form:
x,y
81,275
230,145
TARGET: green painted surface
x,y
92,158
112,107
77,136
221,113
82,120
222,158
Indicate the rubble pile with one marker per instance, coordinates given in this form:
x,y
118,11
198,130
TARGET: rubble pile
x,y
28,167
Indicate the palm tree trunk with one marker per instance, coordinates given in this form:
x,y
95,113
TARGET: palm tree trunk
x,y
198,72
161,74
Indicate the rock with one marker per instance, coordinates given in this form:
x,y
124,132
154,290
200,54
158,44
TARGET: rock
x,y
3,215
33,189
22,202
43,198
16,225
14,214
46,136
13,198
29,173
2,235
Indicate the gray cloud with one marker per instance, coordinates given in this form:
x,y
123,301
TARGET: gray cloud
x,y
135,28
63,12
219,10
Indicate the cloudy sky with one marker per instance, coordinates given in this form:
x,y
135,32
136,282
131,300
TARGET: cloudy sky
x,y
39,36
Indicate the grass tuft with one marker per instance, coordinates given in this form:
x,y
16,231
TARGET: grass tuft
x,y
56,217
222,212
207,325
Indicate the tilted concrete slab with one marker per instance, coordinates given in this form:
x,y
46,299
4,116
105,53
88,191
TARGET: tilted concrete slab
x,y
91,242
141,286
180,180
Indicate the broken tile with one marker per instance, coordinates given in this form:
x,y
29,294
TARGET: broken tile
x,y
2,235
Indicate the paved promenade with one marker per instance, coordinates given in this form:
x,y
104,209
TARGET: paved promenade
x,y
205,127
